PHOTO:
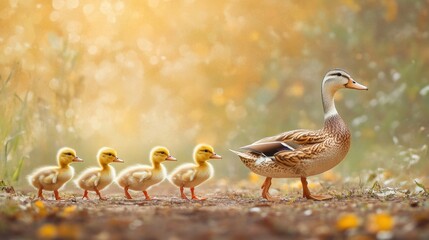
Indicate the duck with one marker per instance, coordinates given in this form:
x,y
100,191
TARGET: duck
x,y
142,177
98,178
190,175
53,178
302,153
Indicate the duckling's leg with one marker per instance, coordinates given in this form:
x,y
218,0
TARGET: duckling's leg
x,y
40,194
182,194
57,195
306,192
127,194
85,195
194,197
265,190
146,195
99,194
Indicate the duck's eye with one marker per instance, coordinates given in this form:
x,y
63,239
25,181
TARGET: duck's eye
x,y
338,74
69,154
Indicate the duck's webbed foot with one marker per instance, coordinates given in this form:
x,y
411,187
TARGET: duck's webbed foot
x,y
182,194
194,197
306,192
127,194
265,190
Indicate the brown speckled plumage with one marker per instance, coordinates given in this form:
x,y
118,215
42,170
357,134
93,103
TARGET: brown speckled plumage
x,y
315,151
304,153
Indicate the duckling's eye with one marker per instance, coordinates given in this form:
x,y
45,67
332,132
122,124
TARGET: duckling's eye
x,y
206,150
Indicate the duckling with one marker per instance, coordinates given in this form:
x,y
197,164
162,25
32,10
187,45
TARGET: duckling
x,y
53,178
142,177
97,178
190,175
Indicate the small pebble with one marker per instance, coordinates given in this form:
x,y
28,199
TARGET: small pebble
x,y
255,210
414,204
308,212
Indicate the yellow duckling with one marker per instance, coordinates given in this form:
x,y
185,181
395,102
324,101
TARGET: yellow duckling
x,y
142,177
52,178
190,175
97,178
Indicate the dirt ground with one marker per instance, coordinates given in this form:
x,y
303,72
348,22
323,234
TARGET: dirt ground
x,y
229,212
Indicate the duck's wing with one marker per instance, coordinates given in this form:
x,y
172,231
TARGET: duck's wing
x,y
290,141
188,175
93,179
49,177
308,152
185,172
142,175
298,137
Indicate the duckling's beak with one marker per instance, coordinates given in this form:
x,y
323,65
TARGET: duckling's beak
x,y
215,156
77,159
171,158
352,84
118,160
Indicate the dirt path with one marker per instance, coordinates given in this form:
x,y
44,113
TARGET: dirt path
x,y
226,214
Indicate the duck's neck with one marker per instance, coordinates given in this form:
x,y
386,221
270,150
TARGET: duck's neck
x,y
156,165
200,162
104,166
63,165
328,102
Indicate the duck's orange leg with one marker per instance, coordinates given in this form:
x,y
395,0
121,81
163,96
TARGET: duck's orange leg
x,y
99,194
182,194
194,197
85,195
306,192
127,194
40,194
57,195
265,190
146,195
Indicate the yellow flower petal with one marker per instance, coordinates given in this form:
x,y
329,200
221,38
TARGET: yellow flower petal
x,y
347,221
69,231
380,222
67,211
253,177
39,204
47,231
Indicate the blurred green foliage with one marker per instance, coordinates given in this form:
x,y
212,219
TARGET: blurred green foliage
x,y
134,74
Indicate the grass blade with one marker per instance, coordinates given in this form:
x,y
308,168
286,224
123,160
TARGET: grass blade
x,y
17,173
421,186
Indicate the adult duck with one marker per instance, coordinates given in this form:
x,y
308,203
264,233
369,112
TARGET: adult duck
x,y
303,153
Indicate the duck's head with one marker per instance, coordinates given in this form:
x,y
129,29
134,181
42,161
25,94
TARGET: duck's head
x,y
334,80
160,154
108,155
338,78
66,155
204,152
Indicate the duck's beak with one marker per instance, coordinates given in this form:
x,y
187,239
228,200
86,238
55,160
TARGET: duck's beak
x,y
77,159
171,158
215,156
352,84
118,160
